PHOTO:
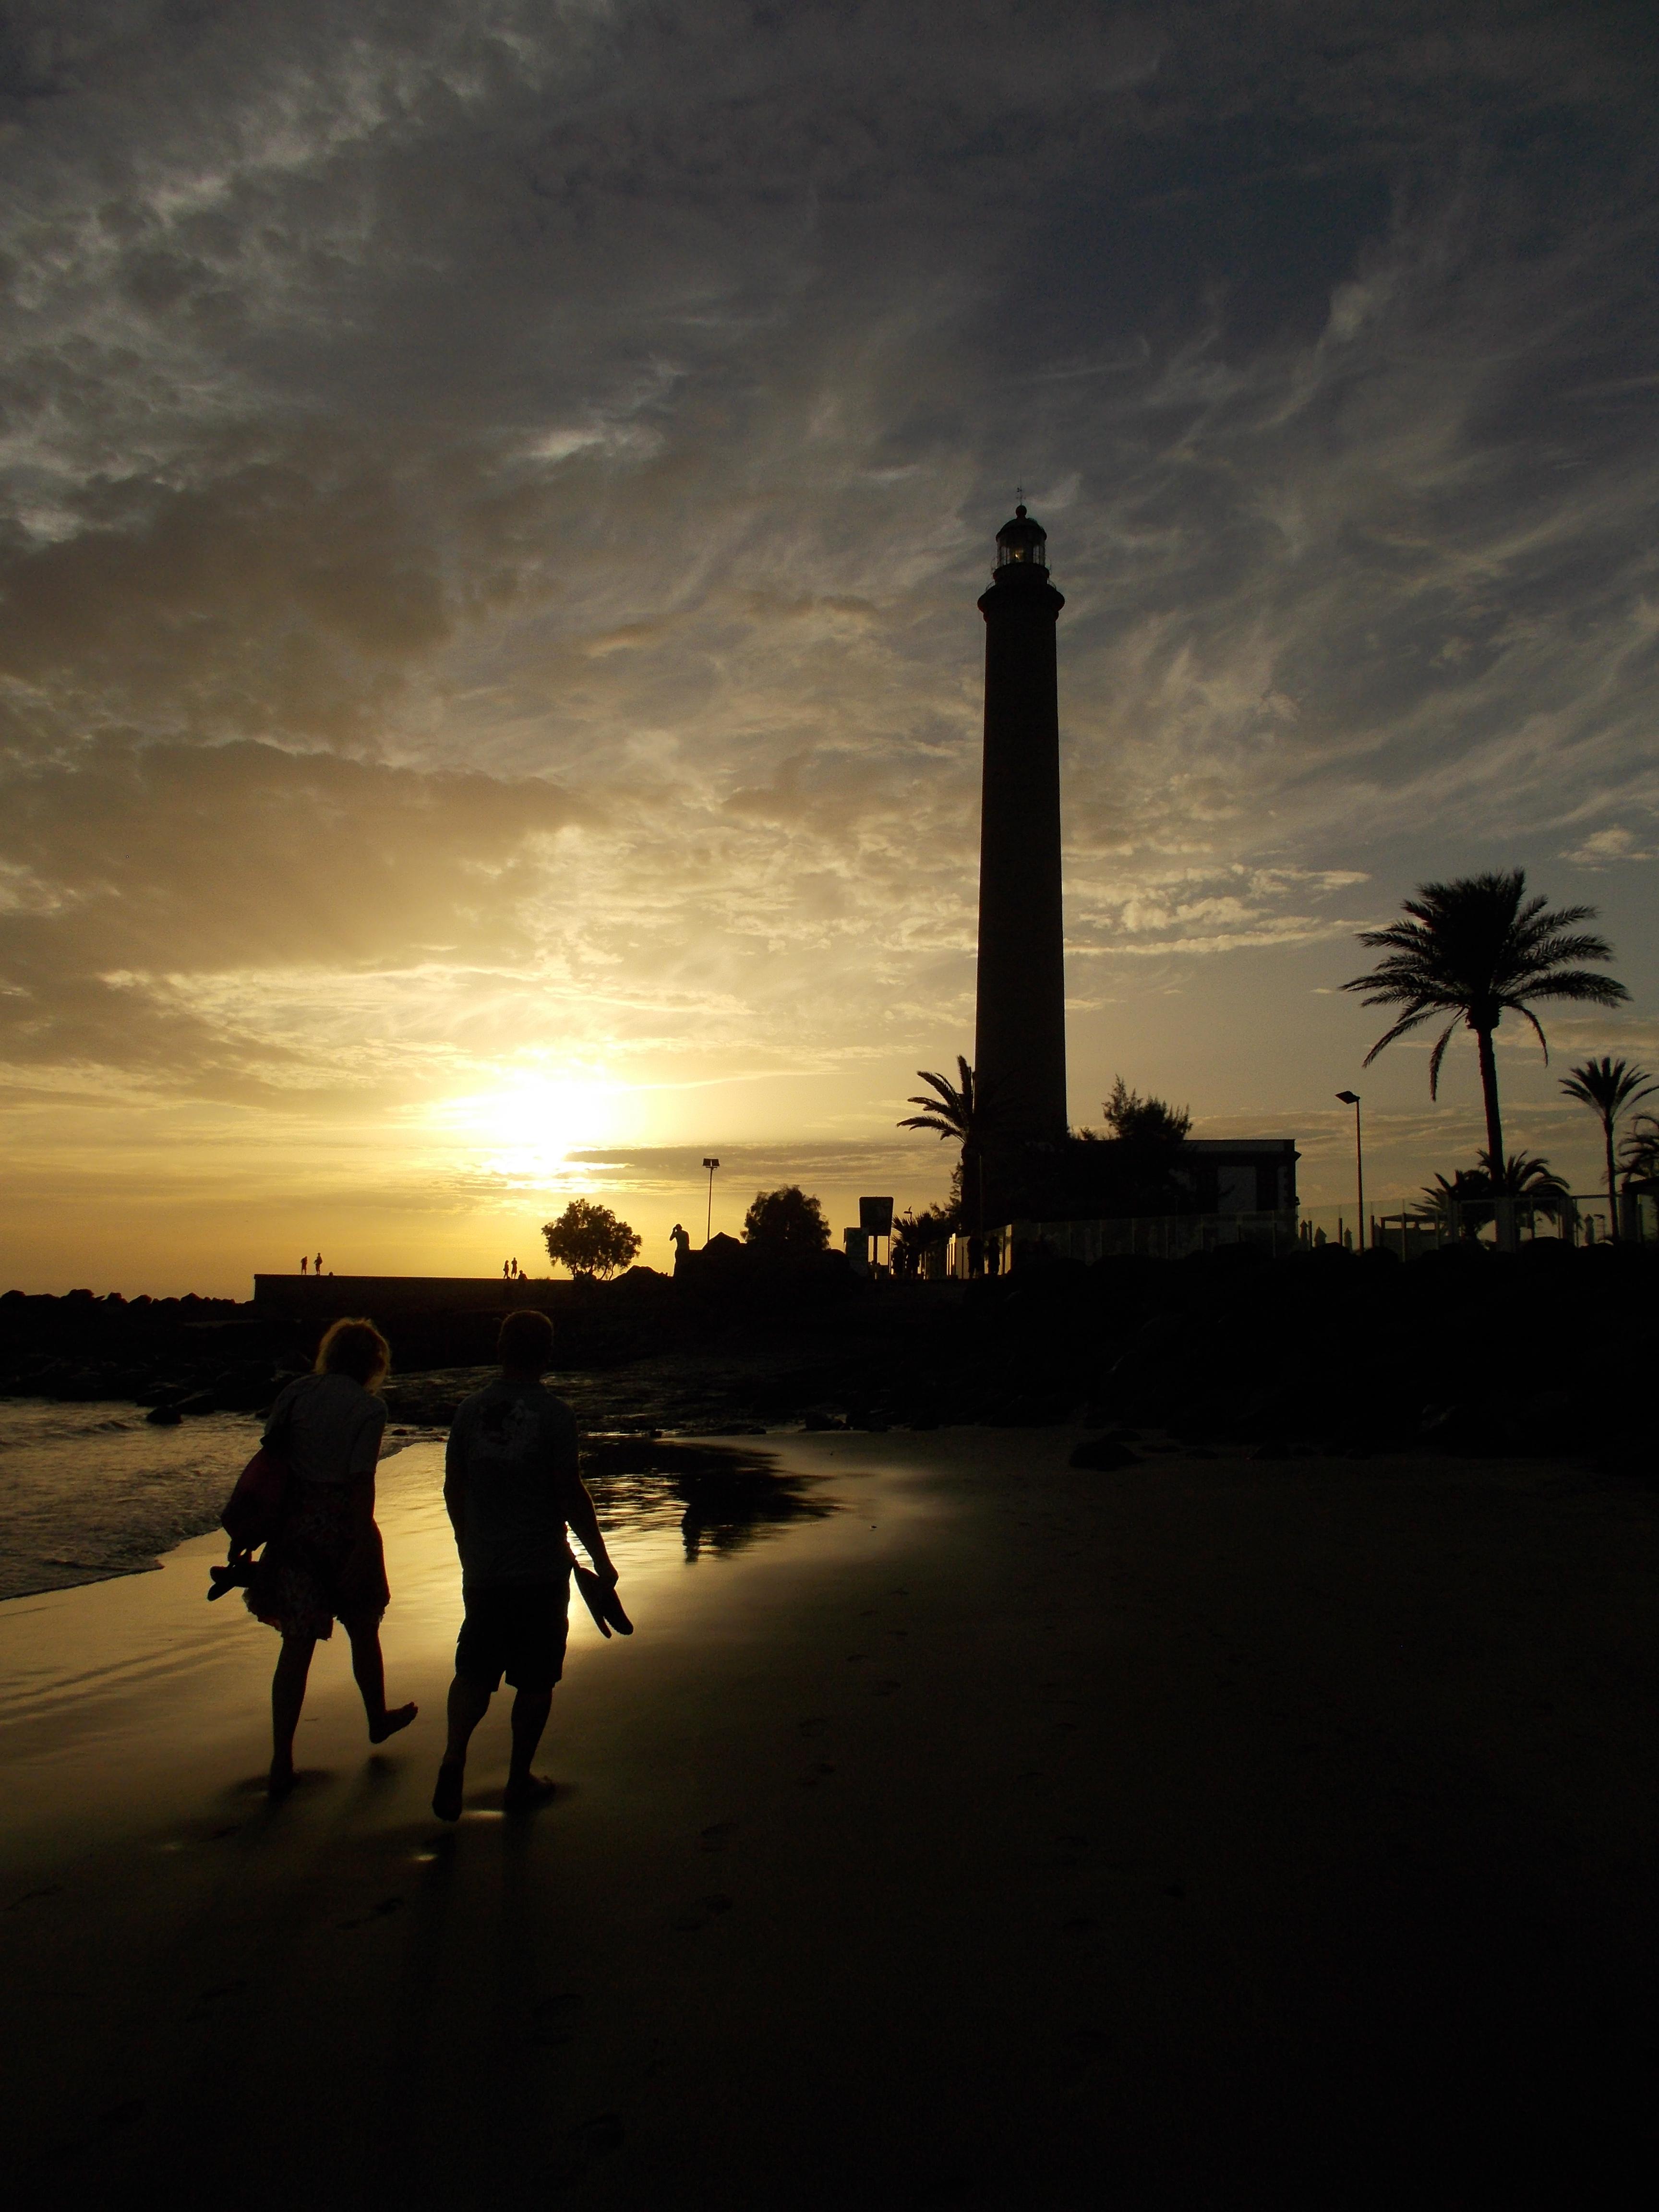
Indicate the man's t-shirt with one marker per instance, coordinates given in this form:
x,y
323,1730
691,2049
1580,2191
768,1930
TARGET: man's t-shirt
x,y
512,1448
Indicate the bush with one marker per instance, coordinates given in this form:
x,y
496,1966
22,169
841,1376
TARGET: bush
x,y
785,1224
590,1240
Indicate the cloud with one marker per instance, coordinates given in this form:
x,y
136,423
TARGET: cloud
x,y
1602,846
492,499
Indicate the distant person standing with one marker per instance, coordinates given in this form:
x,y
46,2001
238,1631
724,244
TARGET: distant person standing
x,y
512,1487
316,1265
507,1269
325,1563
682,1239
304,1263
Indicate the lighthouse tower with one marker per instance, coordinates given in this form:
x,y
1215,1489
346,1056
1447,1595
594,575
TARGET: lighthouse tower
x,y
1019,1043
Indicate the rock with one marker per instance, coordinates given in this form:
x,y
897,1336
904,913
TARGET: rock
x,y
164,1417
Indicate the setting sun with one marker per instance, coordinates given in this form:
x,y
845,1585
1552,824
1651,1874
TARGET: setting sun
x,y
527,1127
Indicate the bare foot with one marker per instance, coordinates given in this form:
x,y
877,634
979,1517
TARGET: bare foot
x,y
447,1797
524,1794
389,1723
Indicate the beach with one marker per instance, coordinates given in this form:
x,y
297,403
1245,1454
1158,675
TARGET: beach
x,y
1211,1831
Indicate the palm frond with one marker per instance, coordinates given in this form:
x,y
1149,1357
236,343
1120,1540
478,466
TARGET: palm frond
x,y
1439,1053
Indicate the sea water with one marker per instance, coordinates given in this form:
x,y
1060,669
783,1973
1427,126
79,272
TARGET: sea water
x,y
94,1490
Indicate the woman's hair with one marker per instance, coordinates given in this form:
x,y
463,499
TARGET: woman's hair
x,y
355,1348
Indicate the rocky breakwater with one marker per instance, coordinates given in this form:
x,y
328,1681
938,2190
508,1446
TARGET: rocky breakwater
x,y
177,1357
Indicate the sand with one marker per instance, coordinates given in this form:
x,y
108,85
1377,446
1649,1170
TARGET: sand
x,y
1206,1832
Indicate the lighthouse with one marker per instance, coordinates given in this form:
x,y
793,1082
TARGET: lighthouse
x,y
1019,1040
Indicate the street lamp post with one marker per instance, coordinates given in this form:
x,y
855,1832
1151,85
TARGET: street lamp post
x,y
708,1227
1351,1099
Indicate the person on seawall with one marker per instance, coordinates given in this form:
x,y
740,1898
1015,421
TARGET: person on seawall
x,y
512,1487
325,1563
304,1263
317,1267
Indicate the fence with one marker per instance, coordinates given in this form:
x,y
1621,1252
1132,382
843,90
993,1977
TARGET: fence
x,y
1153,1236
1577,1220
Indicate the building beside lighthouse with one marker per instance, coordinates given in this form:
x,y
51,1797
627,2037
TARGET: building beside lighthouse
x,y
1019,1030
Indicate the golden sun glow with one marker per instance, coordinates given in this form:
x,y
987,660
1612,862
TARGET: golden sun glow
x,y
527,1127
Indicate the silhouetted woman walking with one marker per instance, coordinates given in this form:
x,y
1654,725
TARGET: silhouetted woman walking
x,y
325,1563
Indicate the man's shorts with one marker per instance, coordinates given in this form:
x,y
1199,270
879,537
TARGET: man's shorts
x,y
518,1629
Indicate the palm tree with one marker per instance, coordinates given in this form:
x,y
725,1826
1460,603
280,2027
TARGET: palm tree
x,y
1607,1086
961,1110
1453,1204
1466,1202
1526,1176
1640,1156
1478,948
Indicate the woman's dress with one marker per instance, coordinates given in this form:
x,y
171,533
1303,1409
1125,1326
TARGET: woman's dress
x,y
326,1562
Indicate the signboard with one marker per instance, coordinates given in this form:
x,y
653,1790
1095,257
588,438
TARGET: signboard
x,y
876,1216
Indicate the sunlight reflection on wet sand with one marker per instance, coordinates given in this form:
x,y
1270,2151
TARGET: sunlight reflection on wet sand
x,y
119,1697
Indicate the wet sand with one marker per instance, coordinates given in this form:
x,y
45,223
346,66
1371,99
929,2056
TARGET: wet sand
x,y
1206,1832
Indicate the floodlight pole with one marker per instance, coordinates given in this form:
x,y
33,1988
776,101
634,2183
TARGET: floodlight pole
x,y
709,1225
1351,1099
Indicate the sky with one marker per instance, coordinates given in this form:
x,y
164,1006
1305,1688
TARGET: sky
x,y
492,501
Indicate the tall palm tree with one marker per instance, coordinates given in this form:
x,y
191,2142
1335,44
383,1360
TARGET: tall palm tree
x,y
1477,949
1607,1086
965,1112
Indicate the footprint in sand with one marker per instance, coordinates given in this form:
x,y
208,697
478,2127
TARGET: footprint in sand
x,y
810,1781
716,1836
814,1724
886,1689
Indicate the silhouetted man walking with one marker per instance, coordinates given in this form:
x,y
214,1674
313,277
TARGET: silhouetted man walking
x,y
512,1488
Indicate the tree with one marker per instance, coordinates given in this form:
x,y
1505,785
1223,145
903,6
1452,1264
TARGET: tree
x,y
786,1223
1640,1154
1462,1204
1468,1202
964,1111
1525,1177
590,1240
1478,948
916,1233
1607,1086
1151,1122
